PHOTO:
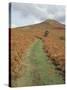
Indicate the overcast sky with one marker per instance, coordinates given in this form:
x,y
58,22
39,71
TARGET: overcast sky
x,y
23,14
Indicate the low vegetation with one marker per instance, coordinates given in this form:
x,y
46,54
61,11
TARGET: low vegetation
x,y
62,37
46,33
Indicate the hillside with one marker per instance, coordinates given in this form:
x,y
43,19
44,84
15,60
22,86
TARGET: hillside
x,y
52,35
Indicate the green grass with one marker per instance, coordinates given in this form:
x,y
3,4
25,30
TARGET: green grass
x,y
40,70
43,67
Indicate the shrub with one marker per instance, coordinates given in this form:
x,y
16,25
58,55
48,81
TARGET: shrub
x,y
62,38
46,33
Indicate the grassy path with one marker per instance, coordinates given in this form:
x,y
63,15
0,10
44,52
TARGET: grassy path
x,y
40,70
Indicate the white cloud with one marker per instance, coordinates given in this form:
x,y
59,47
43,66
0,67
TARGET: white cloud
x,y
25,14
51,16
13,26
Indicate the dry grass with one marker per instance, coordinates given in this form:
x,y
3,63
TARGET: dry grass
x,y
20,41
54,46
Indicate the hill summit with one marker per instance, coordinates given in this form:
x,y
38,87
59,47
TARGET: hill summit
x,y
53,23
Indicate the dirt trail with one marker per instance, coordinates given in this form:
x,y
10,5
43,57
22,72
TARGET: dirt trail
x,y
39,69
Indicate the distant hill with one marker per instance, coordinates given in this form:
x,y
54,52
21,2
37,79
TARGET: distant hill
x,y
53,24
49,23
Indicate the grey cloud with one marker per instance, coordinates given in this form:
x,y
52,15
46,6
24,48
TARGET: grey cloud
x,y
39,12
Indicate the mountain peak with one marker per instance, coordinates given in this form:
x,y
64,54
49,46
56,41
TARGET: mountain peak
x,y
51,21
